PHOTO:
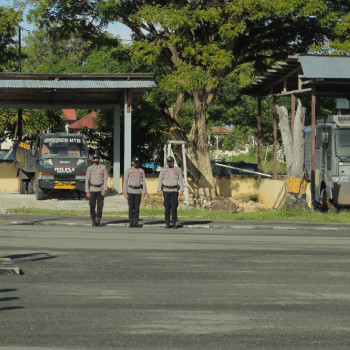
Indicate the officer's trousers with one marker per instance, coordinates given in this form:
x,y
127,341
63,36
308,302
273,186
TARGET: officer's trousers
x,y
96,197
171,202
134,201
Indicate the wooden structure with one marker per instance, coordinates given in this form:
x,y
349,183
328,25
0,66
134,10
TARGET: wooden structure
x,y
67,91
303,75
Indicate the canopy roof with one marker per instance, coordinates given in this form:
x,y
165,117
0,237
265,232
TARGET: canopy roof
x,y
329,74
32,90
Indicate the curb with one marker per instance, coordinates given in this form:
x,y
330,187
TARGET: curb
x,y
228,225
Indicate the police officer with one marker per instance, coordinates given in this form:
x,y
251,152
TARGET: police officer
x,y
96,188
134,188
171,184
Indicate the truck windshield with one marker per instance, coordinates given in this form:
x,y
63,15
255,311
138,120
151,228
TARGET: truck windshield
x,y
63,147
342,143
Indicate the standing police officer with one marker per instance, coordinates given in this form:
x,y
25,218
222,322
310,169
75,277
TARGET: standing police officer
x,y
171,183
134,188
96,188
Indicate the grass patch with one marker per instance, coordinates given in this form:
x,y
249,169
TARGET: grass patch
x,y
295,215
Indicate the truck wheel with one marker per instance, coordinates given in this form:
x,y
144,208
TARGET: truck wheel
x,y
22,187
30,189
39,193
326,204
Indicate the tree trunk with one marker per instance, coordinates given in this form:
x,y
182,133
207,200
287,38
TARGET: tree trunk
x,y
286,136
294,151
297,168
197,151
205,179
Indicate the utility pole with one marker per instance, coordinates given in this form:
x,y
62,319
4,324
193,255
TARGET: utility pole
x,y
19,119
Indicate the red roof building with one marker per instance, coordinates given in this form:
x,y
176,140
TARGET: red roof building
x,y
89,121
220,130
69,115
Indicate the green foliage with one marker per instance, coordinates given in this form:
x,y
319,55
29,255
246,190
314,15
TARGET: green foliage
x,y
292,215
9,21
34,122
74,54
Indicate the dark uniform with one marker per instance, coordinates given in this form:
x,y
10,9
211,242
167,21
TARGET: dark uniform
x,y
96,185
170,182
133,188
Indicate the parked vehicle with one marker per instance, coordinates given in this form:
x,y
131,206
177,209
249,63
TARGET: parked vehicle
x,y
332,160
57,162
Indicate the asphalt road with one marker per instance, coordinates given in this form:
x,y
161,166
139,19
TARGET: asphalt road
x,y
192,288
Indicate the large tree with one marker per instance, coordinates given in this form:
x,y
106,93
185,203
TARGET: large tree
x,y
199,43
9,21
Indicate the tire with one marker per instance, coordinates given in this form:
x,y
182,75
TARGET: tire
x,y
326,205
22,187
30,189
39,193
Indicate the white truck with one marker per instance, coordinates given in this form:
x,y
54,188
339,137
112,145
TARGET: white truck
x,y
332,158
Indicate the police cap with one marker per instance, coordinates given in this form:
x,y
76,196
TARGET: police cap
x,y
96,155
136,160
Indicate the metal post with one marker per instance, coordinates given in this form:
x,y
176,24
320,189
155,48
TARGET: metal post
x,y
185,174
127,129
19,119
19,125
165,156
274,138
313,144
116,150
259,136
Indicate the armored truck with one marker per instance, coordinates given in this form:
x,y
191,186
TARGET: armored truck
x,y
57,162
332,161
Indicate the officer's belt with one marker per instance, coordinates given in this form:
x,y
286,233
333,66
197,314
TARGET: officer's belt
x,y
97,186
170,186
135,187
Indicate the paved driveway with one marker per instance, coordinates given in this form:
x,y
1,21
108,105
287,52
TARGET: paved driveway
x,y
194,288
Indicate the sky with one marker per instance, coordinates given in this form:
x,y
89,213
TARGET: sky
x,y
117,29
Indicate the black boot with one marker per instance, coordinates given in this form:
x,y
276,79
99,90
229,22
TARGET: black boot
x,y
131,225
98,222
93,221
167,224
137,225
174,224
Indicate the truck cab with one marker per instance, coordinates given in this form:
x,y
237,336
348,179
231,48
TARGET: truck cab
x,y
57,162
332,160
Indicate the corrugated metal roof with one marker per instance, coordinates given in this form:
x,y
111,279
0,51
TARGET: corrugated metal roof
x,y
325,66
75,84
76,76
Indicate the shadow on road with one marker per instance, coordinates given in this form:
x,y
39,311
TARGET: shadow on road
x,y
194,222
8,299
8,308
122,221
31,257
7,290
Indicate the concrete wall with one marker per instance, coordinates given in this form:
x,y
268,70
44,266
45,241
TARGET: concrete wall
x,y
238,187
8,177
270,192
